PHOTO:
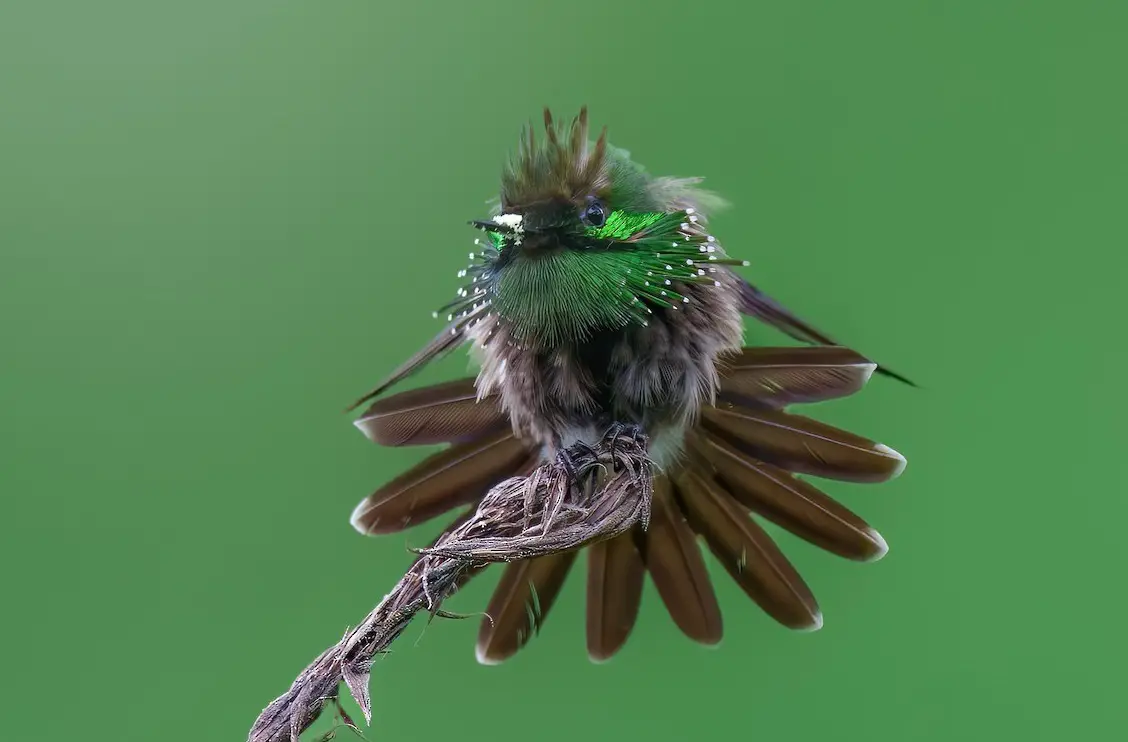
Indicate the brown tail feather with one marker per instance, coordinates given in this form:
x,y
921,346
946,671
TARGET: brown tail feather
x,y
457,476
614,592
520,603
803,445
747,552
789,502
783,376
443,413
673,558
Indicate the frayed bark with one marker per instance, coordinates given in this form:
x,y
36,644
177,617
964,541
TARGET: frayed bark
x,y
589,495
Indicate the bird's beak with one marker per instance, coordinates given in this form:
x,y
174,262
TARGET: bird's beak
x,y
498,228
490,226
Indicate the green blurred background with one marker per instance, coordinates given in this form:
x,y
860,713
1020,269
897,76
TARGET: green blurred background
x,y
221,220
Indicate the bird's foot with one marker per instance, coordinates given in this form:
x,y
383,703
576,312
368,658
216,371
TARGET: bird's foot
x,y
630,431
586,494
575,459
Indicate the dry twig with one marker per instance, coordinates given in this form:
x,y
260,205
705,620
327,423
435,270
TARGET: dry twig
x,y
590,495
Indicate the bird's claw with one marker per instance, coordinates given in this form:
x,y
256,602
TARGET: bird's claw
x,y
619,430
566,459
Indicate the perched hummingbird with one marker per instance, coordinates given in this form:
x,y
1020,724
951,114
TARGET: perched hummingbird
x,y
598,298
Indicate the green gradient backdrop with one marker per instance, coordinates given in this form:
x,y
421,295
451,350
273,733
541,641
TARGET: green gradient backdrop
x,y
221,220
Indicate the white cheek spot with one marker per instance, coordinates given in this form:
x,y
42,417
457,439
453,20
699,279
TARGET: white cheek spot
x,y
509,220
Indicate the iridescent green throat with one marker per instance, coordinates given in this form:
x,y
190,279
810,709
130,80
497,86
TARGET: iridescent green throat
x,y
633,264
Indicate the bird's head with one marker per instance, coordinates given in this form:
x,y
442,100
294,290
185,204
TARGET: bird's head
x,y
584,239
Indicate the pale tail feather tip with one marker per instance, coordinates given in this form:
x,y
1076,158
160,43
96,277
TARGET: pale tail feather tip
x,y
816,624
882,546
483,658
356,519
884,449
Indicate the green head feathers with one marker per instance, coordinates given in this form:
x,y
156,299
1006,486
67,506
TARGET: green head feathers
x,y
586,240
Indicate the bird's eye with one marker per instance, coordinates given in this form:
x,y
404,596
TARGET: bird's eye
x,y
593,214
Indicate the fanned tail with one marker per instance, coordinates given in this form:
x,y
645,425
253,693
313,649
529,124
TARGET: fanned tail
x,y
740,464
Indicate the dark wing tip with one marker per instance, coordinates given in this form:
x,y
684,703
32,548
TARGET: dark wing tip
x,y
890,373
755,303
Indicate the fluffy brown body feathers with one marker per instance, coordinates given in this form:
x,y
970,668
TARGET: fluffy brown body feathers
x,y
657,376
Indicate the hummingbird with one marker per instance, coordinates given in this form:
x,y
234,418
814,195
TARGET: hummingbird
x,y
597,299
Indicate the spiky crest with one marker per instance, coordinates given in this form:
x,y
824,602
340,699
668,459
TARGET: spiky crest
x,y
566,165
